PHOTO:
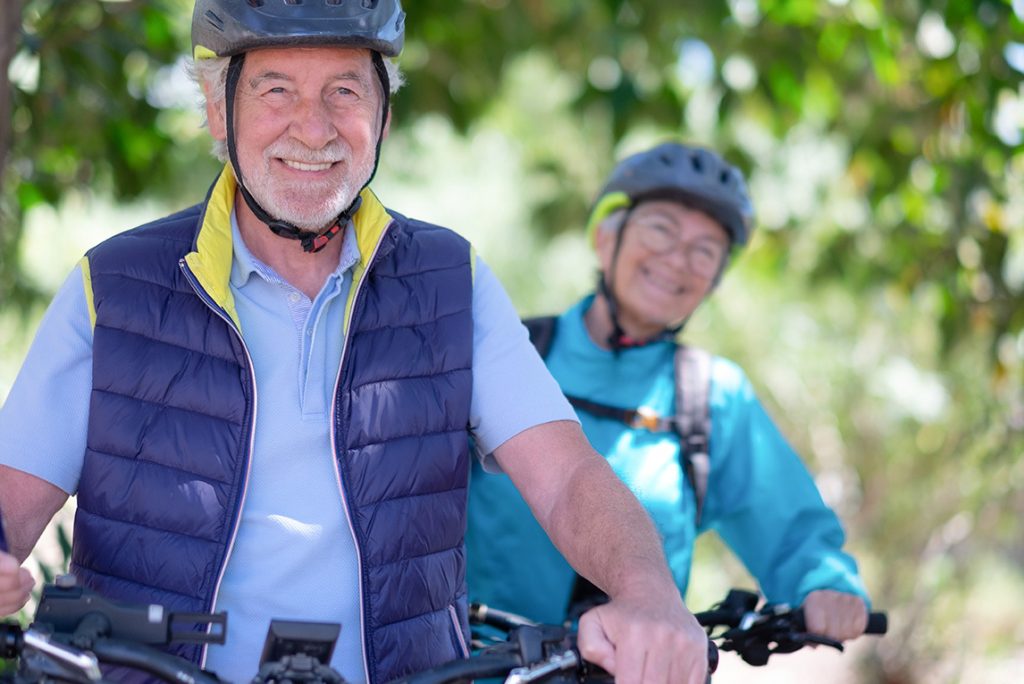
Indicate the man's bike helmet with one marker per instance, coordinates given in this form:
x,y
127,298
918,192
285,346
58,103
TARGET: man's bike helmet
x,y
224,28
230,28
694,176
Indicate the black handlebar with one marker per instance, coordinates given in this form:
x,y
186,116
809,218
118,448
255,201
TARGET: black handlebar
x,y
75,628
756,634
878,623
145,659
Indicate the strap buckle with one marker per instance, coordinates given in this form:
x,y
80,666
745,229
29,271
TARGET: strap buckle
x,y
647,419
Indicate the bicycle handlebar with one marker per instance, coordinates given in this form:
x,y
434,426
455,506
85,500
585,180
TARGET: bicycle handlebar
x,y
756,634
530,652
76,629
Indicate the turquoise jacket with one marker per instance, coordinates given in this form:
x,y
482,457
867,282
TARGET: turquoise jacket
x,y
761,500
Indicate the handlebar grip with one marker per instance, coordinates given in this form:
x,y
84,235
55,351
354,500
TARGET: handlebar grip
x,y
878,623
11,640
712,658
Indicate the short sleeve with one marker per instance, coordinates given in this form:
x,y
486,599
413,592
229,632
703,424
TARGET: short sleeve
x,y
512,388
44,419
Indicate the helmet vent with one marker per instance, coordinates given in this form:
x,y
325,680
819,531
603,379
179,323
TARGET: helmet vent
x,y
369,4
724,177
215,21
293,2
698,163
255,3
333,2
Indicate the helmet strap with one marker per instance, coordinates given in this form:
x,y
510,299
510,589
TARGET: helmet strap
x,y
617,340
312,241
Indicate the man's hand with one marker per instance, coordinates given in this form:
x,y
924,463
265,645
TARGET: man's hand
x,y
648,640
15,584
835,615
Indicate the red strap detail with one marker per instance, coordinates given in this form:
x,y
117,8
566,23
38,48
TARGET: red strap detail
x,y
320,241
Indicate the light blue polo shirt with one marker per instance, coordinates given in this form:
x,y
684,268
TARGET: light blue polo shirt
x,y
294,556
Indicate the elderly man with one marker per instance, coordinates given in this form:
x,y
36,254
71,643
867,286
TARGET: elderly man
x,y
264,399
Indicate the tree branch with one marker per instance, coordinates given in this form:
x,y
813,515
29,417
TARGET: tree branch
x,y
10,25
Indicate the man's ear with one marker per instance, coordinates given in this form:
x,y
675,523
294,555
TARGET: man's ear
x,y
387,125
216,118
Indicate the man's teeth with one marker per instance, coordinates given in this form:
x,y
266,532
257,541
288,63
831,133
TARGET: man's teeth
x,y
300,166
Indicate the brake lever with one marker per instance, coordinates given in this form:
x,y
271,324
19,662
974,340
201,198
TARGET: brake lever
x,y
84,663
824,641
531,673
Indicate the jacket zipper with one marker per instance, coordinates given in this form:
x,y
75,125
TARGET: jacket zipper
x,y
252,436
334,452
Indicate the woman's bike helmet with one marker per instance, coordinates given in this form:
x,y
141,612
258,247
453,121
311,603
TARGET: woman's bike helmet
x,y
694,176
230,28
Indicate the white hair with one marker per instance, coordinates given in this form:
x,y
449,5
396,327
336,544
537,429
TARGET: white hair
x,y
211,75
613,221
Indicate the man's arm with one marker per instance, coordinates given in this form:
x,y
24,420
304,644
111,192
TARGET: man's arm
x,y
645,634
29,504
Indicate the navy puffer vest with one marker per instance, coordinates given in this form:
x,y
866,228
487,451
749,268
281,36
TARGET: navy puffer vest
x,y
171,420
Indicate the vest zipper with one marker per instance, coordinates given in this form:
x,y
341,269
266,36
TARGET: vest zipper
x,y
334,451
205,298
457,626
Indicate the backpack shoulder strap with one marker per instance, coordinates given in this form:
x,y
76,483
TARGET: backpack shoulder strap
x,y
693,417
542,332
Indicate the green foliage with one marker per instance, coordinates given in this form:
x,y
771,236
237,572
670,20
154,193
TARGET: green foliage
x,y
83,116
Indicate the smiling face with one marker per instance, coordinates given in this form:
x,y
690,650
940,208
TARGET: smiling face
x,y
306,127
667,263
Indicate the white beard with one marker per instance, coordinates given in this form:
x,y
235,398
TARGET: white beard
x,y
311,206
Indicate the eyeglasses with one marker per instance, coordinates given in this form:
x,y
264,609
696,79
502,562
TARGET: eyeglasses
x,y
704,256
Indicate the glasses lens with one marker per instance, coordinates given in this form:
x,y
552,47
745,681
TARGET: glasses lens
x,y
656,236
705,259
704,256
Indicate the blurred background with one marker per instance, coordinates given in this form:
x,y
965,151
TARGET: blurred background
x,y
878,309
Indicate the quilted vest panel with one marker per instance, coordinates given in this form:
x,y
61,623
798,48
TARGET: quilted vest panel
x,y
168,427
402,416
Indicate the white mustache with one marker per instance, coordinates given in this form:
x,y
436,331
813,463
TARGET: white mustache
x,y
328,155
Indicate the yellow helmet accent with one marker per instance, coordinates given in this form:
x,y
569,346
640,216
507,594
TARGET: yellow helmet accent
x,y
604,207
199,52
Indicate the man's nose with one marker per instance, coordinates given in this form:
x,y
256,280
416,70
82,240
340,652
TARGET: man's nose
x,y
313,125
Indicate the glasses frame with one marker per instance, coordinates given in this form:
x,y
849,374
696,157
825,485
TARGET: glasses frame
x,y
705,257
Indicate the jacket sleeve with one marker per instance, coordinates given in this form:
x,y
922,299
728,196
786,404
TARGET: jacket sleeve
x,y
764,504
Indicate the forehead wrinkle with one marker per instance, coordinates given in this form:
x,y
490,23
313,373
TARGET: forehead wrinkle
x,y
269,75
350,75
